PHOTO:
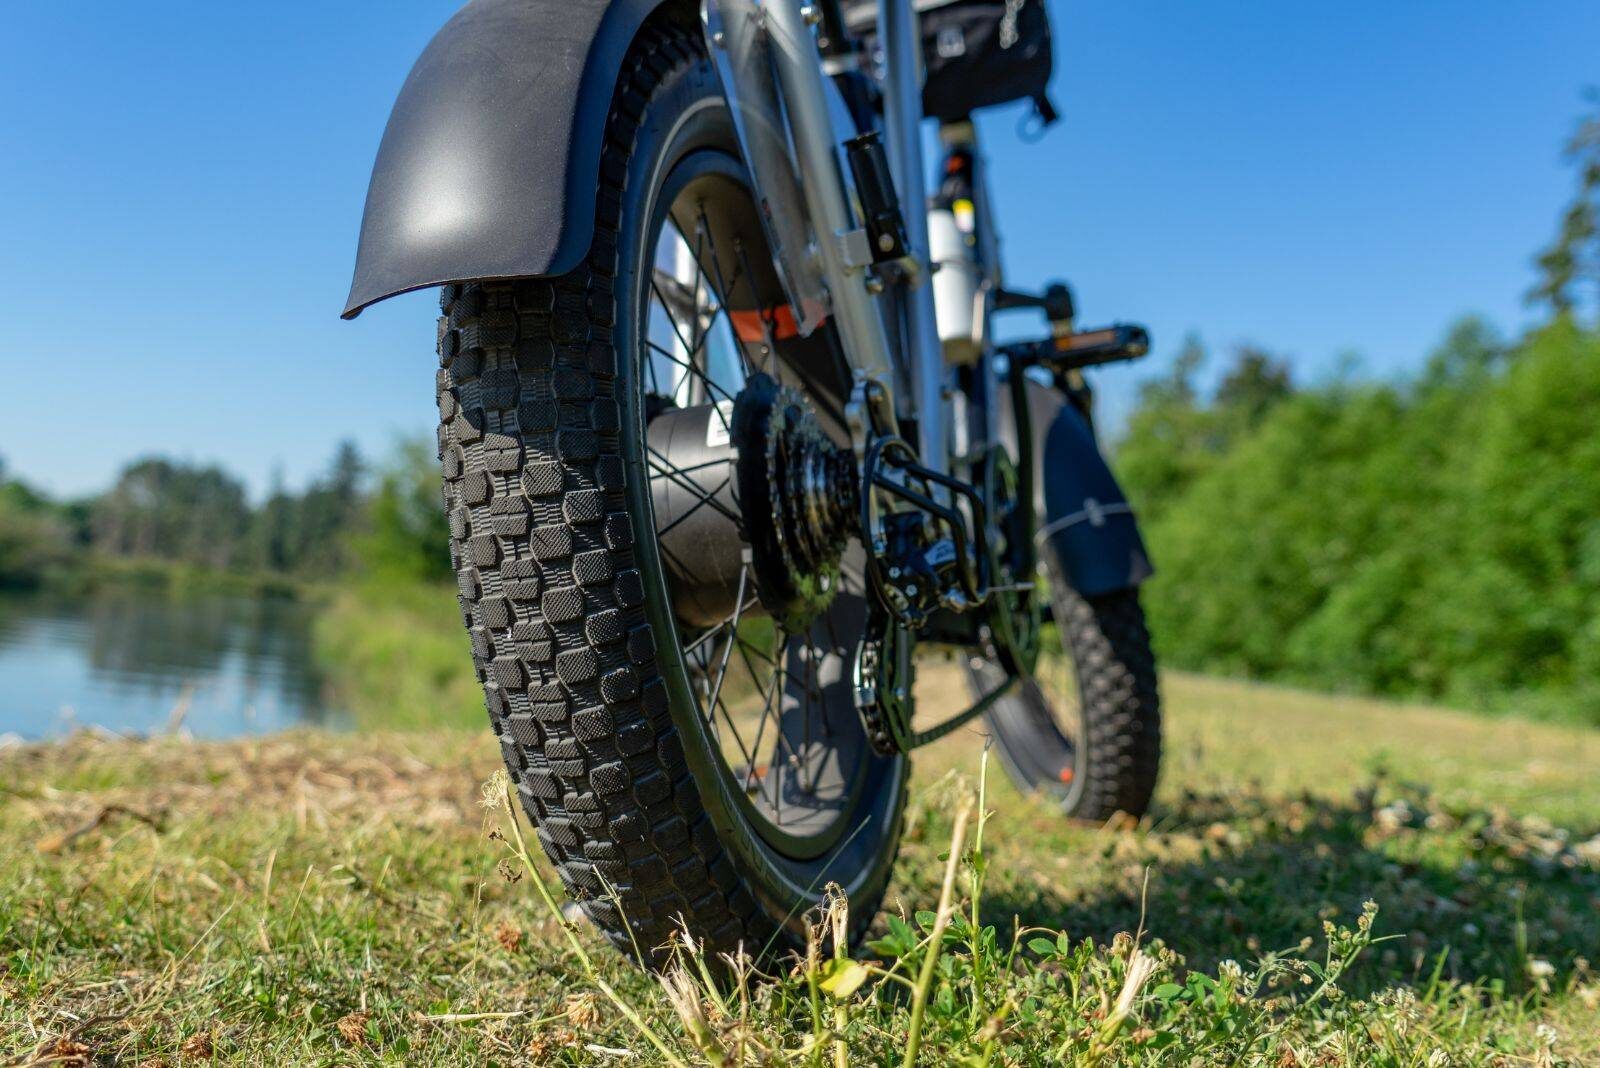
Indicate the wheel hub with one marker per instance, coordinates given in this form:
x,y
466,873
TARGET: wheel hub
x,y
764,479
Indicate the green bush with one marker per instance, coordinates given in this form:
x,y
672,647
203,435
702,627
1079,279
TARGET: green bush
x,y
1436,538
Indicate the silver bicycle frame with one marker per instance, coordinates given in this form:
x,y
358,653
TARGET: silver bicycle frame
x,y
766,45
902,92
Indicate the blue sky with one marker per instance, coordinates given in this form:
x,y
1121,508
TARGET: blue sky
x,y
183,182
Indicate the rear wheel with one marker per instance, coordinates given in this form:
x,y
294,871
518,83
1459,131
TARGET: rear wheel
x,y
663,631
1083,725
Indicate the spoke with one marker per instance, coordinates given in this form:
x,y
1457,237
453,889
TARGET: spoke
x,y
805,745
705,687
722,673
666,306
750,669
769,696
702,361
696,332
757,652
664,531
692,468
727,650
692,646
675,296
769,343
665,467
749,761
704,502
691,368
650,365
727,289
779,688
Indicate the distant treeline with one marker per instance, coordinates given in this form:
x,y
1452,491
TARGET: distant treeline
x,y
165,511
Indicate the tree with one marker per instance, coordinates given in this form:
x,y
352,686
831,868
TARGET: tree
x,y
1164,447
1571,265
329,510
175,511
1471,349
406,538
1257,381
276,526
35,535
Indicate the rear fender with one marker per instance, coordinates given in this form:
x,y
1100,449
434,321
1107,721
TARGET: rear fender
x,y
490,163
1086,517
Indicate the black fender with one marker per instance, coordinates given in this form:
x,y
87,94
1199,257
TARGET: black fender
x,y
1082,510
490,163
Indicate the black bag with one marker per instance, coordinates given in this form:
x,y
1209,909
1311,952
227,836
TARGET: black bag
x,y
978,53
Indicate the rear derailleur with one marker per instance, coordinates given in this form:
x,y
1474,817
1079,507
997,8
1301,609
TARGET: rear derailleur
x,y
930,554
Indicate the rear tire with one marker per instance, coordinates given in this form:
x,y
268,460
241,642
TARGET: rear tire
x,y
541,442
1091,742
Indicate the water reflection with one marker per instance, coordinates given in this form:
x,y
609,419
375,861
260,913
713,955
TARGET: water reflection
x,y
124,659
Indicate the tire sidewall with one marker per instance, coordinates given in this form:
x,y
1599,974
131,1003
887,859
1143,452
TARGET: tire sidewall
x,y
687,115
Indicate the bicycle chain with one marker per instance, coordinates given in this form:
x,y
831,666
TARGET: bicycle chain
x,y
879,707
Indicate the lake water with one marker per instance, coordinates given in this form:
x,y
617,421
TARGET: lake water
x,y
129,660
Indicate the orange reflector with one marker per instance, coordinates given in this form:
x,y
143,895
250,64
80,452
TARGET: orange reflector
x,y
1065,774
753,324
1069,342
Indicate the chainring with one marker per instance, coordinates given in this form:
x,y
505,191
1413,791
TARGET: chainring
x,y
883,675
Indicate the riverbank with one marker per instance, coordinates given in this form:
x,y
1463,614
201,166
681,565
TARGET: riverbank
x,y
397,656
334,898
92,572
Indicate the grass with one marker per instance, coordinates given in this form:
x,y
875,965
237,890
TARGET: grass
x,y
313,898
398,657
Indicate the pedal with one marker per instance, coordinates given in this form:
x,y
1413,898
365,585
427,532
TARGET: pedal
x,y
1087,348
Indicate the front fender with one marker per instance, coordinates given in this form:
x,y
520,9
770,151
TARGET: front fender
x,y
1084,513
489,165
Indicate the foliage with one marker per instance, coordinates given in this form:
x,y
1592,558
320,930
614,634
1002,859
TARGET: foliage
x,y
314,898
405,535
308,533
173,510
199,514
1569,270
396,655
1438,538
1171,438
37,537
